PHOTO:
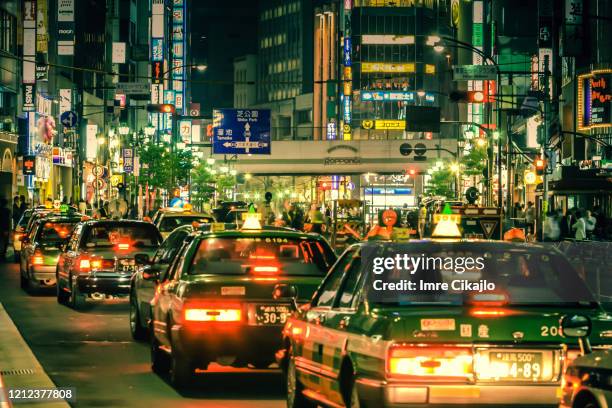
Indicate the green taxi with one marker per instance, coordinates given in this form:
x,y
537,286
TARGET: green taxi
x,y
40,249
362,341
214,303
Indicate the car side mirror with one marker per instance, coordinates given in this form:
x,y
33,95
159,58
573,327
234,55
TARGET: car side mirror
x,y
151,273
577,326
282,291
142,259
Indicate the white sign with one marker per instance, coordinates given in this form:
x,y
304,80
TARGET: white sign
x,y
119,53
133,88
157,91
91,145
185,131
196,133
65,48
474,72
65,102
65,10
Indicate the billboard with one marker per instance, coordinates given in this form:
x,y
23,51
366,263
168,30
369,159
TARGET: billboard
x,y
241,131
595,100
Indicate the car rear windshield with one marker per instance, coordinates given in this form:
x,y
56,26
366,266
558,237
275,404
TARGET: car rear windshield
x,y
52,233
169,224
266,256
112,234
525,276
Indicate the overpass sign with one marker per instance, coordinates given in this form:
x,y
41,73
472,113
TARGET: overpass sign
x,y
241,131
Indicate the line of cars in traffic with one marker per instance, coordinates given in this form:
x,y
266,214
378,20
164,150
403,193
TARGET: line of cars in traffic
x,y
253,296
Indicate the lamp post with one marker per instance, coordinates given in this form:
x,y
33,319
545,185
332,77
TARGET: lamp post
x,y
439,47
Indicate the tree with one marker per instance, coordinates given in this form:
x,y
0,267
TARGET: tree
x,y
441,183
204,185
163,168
475,161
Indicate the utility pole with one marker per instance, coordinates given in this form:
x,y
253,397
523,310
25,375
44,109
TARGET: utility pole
x,y
544,206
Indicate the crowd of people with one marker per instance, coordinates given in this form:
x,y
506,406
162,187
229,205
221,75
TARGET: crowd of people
x,y
575,223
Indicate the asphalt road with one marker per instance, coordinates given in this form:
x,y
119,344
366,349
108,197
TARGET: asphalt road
x,y
92,351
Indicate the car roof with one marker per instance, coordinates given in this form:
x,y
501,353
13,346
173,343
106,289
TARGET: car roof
x,y
124,222
60,218
261,232
493,244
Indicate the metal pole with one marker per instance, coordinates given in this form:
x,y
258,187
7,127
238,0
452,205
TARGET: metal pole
x,y
544,207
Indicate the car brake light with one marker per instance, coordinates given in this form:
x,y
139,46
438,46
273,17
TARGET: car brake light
x,y
84,265
265,269
213,313
419,361
485,312
96,263
123,247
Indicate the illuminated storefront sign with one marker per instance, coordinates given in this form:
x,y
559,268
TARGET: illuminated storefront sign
x,y
179,59
595,100
383,124
387,39
393,96
367,67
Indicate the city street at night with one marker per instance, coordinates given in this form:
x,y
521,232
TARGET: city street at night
x,y
305,203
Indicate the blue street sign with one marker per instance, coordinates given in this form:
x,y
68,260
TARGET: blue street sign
x,y
241,131
69,119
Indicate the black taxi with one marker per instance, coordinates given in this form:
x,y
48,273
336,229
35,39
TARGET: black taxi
x,y
487,333
215,302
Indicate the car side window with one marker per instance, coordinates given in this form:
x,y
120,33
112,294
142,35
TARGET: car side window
x,y
174,269
159,254
327,292
174,246
350,287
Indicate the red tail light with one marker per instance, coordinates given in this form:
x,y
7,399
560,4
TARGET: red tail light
x,y
83,264
213,312
430,362
37,259
123,247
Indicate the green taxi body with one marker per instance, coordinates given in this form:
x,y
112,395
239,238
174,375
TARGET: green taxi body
x,y
338,350
252,332
40,254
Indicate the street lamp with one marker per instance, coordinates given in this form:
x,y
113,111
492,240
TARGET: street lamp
x,y
124,130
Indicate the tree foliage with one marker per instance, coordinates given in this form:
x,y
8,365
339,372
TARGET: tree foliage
x,y
441,183
163,168
475,161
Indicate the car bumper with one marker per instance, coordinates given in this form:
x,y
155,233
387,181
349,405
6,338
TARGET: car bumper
x,y
208,342
422,395
42,272
108,285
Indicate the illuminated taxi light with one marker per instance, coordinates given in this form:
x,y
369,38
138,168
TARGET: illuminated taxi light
x,y
123,247
429,362
213,315
265,269
446,229
251,221
37,260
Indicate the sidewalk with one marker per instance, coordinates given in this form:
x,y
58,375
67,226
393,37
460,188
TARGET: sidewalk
x,y
19,368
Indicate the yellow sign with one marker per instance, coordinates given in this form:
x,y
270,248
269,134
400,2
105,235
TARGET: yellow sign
x,y
387,67
390,124
531,178
348,88
430,69
346,128
348,73
455,218
367,124
115,179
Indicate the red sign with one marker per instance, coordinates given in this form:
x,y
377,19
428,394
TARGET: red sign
x,y
157,71
29,165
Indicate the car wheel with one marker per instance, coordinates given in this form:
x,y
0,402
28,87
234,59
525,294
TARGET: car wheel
x,y
295,397
138,332
75,299
182,372
62,296
159,359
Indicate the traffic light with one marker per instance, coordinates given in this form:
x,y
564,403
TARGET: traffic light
x,y
540,165
468,96
161,108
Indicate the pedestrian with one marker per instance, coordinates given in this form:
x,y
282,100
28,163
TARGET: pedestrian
x,y
104,210
16,211
566,223
5,227
591,223
23,206
316,218
422,221
579,227
530,216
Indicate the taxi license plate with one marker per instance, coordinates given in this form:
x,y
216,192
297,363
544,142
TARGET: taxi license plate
x,y
127,265
271,315
517,366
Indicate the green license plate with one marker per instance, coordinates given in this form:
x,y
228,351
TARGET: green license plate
x,y
517,366
271,315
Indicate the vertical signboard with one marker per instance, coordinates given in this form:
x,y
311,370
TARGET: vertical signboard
x,y
65,27
42,39
91,141
178,54
595,100
347,75
475,110
158,53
